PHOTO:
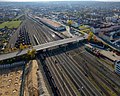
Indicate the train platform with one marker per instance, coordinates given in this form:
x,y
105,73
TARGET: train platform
x,y
110,55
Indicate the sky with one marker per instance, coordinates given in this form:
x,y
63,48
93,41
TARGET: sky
x,y
55,0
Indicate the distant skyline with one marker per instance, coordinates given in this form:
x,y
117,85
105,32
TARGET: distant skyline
x,y
57,0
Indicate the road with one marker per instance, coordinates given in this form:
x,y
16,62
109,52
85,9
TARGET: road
x,y
41,47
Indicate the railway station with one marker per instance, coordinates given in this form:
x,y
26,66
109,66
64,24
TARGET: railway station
x,y
56,64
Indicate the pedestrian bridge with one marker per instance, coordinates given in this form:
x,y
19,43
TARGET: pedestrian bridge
x,y
42,47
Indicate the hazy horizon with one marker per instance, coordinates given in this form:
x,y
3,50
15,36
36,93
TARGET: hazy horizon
x,y
55,0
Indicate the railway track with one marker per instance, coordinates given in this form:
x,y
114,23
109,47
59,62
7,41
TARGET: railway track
x,y
94,69
12,40
56,74
66,89
78,75
68,77
72,72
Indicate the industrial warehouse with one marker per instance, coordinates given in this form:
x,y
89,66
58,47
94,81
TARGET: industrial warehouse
x,y
52,24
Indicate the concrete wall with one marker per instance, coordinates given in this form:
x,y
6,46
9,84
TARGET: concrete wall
x,y
16,64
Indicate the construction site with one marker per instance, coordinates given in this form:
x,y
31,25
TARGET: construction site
x,y
10,81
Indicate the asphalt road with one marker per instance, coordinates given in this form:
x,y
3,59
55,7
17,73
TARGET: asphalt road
x,y
41,47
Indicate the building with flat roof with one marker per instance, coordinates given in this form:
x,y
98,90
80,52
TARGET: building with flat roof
x,y
117,66
52,24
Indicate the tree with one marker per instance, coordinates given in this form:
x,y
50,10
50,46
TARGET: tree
x,y
94,38
25,46
28,52
6,27
69,22
21,46
90,35
31,53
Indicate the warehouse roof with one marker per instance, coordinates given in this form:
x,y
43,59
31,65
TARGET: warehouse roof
x,y
51,22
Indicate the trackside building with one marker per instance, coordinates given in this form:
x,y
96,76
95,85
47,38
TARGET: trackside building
x,y
52,24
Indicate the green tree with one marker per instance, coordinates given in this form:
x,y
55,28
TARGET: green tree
x,y
21,46
90,35
6,27
31,53
69,22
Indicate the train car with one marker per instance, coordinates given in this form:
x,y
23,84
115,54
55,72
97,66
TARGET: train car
x,y
92,50
117,67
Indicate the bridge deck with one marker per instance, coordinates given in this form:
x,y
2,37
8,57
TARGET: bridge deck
x,y
57,43
41,47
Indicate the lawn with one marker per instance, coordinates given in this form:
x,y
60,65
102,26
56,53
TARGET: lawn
x,y
82,27
10,24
